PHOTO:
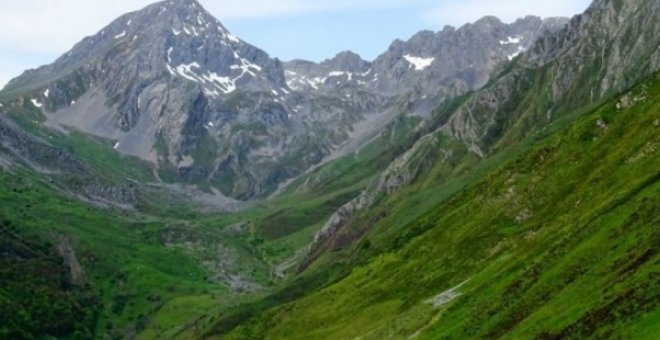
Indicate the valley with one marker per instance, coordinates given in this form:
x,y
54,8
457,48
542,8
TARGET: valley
x,y
165,179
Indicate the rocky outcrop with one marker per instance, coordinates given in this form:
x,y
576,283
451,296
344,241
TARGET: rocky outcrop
x,y
604,51
68,253
401,172
68,173
40,155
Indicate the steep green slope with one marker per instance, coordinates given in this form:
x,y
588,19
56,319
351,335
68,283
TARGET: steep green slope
x,y
562,76
560,241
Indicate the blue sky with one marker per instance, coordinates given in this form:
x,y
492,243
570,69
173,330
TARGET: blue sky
x,y
317,36
36,32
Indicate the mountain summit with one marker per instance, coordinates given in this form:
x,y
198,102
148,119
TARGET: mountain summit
x,y
175,37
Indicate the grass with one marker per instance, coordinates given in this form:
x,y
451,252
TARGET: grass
x,y
130,275
557,240
519,228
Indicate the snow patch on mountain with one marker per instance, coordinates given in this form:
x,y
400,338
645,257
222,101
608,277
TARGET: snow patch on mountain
x,y
511,41
340,74
516,53
215,84
186,71
233,38
418,62
246,66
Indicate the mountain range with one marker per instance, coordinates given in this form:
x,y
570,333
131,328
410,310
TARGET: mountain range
x,y
172,86
166,179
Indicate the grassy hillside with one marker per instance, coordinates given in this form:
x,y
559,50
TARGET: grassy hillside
x,y
559,240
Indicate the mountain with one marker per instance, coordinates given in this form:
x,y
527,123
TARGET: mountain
x,y
161,84
456,61
543,245
303,75
169,84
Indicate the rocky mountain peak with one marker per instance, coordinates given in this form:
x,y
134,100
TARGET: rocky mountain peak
x,y
488,21
184,3
347,61
178,37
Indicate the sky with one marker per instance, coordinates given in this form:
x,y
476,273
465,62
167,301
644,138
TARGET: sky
x,y
36,32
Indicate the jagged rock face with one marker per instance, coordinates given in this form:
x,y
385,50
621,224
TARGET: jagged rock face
x,y
446,63
610,47
345,69
454,61
618,39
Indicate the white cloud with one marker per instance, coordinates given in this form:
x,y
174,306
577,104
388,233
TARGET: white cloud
x,y
457,13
